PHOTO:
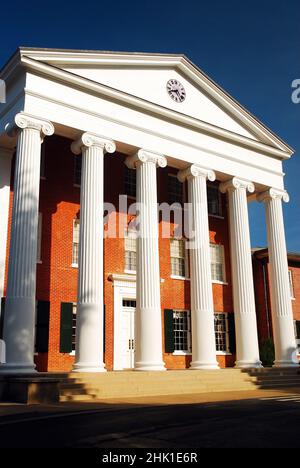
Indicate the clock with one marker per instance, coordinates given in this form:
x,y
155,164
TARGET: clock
x,y
176,91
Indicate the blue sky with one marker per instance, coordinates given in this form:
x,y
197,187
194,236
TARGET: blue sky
x,y
251,48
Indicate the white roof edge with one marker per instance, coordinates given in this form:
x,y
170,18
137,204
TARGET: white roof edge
x,y
58,56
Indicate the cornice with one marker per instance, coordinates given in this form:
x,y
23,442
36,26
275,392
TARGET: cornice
x,y
279,148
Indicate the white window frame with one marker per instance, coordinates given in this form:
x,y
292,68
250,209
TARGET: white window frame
x,y
187,352
291,285
186,260
75,221
221,215
39,239
134,236
221,247
227,352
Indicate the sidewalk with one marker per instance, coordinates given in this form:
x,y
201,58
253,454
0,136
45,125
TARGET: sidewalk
x,y
16,411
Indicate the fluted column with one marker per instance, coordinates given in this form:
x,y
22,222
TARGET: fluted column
x,y
89,326
148,332
282,315
5,172
242,276
19,323
203,329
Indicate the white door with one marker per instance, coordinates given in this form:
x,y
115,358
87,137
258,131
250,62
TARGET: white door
x,y
128,315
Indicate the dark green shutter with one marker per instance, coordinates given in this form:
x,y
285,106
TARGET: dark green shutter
x,y
298,329
42,326
66,323
2,317
231,332
104,328
169,331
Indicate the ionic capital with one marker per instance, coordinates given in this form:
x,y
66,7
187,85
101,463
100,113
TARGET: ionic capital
x,y
144,156
235,184
196,171
273,194
21,121
88,140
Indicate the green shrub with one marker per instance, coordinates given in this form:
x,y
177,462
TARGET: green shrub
x,y
267,353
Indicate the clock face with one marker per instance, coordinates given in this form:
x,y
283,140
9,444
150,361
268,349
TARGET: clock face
x,y
176,91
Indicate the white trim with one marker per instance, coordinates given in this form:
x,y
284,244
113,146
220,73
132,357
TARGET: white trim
x,y
147,131
180,63
224,283
74,265
181,278
182,353
124,288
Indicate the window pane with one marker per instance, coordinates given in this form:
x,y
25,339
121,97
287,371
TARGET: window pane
x,y
221,332
175,190
217,262
75,248
77,169
291,283
182,332
130,182
214,201
130,250
178,257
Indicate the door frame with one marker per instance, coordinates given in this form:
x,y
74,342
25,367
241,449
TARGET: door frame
x,y
124,287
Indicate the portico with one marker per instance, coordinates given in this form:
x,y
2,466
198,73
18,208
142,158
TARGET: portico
x,y
68,98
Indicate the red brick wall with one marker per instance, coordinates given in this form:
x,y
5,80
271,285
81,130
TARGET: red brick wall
x,y
57,279
261,267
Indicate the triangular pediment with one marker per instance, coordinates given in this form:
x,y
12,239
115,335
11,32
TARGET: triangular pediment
x,y
145,76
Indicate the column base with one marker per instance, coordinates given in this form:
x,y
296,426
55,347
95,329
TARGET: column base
x,y
149,366
204,365
285,364
18,369
88,368
248,365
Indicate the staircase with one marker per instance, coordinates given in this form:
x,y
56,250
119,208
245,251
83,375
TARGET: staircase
x,y
124,384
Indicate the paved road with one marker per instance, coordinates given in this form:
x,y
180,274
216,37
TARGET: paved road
x,y
262,422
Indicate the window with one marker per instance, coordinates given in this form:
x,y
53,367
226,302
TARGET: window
x,y
179,260
175,189
129,303
39,239
182,331
214,201
75,247
74,328
217,263
77,169
130,250
297,333
221,333
291,284
130,182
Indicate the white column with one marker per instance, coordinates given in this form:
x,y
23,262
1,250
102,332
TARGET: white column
x,y
242,276
89,327
282,315
203,328
19,323
5,172
148,326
